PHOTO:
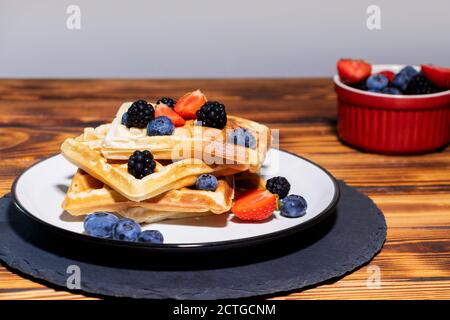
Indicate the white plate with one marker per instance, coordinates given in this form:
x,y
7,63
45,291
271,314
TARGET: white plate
x,y
40,190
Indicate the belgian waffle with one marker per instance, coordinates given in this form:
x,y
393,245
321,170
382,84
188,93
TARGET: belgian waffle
x,y
84,152
87,194
188,141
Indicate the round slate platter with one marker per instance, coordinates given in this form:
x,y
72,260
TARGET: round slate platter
x,y
346,240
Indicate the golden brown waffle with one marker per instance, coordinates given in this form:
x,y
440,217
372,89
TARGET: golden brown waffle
x,y
189,141
87,194
84,152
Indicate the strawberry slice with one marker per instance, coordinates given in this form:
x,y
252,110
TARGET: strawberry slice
x,y
388,74
438,75
163,110
255,205
353,71
188,105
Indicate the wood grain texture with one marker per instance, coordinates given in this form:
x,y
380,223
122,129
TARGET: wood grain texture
x,y
413,191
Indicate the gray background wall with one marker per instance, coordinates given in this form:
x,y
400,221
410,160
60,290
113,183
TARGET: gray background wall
x,y
211,38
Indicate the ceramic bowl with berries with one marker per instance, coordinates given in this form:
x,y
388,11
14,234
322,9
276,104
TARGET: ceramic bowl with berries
x,y
393,109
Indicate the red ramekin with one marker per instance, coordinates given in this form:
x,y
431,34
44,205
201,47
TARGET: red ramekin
x,y
392,124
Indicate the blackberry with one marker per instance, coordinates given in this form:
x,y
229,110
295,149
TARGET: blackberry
x,y
141,164
139,114
167,101
212,114
361,85
419,84
279,186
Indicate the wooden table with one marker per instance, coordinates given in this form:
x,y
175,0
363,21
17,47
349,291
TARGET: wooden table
x,y
414,192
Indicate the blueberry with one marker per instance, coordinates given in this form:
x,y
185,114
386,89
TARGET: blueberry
x,y
409,71
242,137
124,118
100,224
206,182
293,206
126,229
161,126
377,82
401,81
402,78
391,90
151,236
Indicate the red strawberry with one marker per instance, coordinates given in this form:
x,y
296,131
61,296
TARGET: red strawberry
x,y
353,71
163,110
438,75
255,205
388,74
188,104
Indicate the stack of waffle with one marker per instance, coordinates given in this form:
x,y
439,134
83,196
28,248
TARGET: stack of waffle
x,y
102,182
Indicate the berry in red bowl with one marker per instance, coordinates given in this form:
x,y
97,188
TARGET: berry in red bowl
x,y
407,114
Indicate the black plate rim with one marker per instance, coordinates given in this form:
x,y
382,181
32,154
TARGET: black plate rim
x,y
203,246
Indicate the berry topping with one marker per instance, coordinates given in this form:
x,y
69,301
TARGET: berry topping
x,y
151,236
391,90
161,126
420,85
126,229
242,137
377,82
353,71
279,186
408,80
100,224
163,110
141,164
206,182
167,101
255,205
139,114
212,114
188,105
439,76
293,206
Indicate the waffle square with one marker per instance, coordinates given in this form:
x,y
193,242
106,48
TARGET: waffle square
x,y
87,194
84,152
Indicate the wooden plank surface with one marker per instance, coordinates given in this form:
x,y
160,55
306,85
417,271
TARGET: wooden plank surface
x,y
413,191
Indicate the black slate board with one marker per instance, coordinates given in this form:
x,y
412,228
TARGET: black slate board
x,y
346,240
